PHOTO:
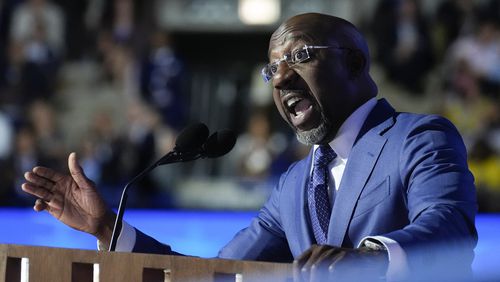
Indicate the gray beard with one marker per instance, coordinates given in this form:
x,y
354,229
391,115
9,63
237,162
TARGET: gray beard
x,y
315,135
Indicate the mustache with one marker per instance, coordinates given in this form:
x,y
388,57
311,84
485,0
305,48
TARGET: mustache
x,y
294,91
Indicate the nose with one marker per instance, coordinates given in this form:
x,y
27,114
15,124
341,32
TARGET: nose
x,y
284,76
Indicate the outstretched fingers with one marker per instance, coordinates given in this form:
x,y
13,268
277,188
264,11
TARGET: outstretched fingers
x,y
38,186
39,180
37,191
42,183
47,173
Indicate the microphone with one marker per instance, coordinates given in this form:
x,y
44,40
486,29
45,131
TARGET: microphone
x,y
219,144
189,138
192,143
216,145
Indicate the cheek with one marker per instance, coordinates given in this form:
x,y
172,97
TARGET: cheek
x,y
317,77
330,93
277,102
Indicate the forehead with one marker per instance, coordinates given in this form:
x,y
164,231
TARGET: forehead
x,y
285,42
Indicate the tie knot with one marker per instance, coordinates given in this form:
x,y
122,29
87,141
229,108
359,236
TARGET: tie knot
x,y
324,155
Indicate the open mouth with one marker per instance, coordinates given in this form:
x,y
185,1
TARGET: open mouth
x,y
300,109
298,106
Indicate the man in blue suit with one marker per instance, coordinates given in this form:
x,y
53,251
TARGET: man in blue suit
x,y
387,192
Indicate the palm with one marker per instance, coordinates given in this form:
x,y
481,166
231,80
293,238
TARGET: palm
x,y
76,206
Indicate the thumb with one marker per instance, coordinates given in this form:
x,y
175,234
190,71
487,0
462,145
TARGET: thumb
x,y
77,172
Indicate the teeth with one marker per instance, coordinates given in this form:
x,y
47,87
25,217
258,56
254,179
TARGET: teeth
x,y
293,101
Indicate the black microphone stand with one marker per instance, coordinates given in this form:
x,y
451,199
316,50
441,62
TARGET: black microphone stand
x,y
121,207
216,145
171,157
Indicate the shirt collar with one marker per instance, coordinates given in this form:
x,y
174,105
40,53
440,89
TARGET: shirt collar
x,y
343,141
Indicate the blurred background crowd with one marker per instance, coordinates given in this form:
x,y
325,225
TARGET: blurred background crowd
x,y
115,81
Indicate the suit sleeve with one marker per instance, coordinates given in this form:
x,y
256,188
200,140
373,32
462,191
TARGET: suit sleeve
x,y
147,244
440,195
264,239
133,240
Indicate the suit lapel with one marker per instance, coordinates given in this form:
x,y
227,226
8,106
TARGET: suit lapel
x,y
302,213
360,164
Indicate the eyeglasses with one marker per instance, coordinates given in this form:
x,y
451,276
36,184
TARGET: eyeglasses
x,y
296,57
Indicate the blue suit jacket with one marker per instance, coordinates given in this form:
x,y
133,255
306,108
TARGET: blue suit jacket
x,y
406,179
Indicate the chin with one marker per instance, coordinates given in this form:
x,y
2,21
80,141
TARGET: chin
x,y
314,136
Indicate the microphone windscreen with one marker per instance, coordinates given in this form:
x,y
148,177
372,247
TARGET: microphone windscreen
x,y
219,143
191,138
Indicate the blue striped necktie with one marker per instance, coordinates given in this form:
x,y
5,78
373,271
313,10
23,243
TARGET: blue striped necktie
x,y
319,203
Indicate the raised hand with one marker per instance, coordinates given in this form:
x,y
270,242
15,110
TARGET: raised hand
x,y
71,198
329,263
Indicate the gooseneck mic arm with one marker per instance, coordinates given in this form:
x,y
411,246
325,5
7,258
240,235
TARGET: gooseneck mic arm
x,y
193,143
121,208
189,140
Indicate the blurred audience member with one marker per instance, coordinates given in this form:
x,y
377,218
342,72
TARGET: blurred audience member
x,y
464,81
42,116
116,16
402,42
157,187
105,146
35,21
258,147
118,66
452,18
90,159
162,80
25,155
37,28
123,20
140,148
254,148
11,78
479,55
470,114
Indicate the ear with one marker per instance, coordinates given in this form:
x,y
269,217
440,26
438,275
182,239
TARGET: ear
x,y
355,62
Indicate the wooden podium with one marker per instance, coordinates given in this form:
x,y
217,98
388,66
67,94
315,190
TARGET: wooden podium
x,y
47,264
